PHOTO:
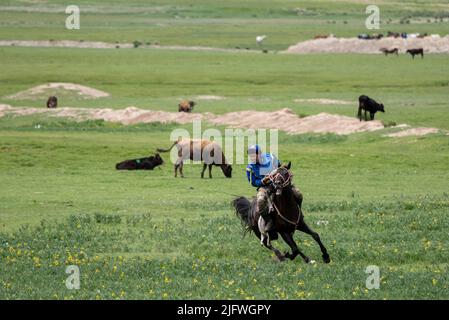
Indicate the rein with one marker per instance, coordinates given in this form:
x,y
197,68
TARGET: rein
x,y
285,219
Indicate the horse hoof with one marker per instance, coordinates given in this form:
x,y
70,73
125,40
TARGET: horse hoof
x,y
326,259
311,262
280,258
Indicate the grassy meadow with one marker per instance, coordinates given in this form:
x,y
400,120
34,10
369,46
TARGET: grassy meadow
x,y
374,200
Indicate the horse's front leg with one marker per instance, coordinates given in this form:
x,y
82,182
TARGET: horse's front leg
x,y
288,238
305,228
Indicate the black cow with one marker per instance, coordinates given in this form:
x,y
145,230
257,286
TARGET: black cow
x,y
52,102
370,105
148,163
414,52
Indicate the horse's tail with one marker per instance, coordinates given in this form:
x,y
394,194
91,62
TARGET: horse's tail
x,y
242,208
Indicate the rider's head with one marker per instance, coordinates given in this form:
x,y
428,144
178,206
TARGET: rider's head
x,y
254,152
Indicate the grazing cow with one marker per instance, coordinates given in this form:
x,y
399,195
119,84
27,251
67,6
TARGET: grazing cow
x,y
321,36
209,152
414,52
148,163
186,106
52,102
390,51
370,105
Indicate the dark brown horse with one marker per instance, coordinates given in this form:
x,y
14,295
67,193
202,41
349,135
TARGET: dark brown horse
x,y
287,216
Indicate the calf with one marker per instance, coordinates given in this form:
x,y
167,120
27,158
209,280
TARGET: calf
x,y
148,163
370,105
186,106
209,152
52,102
414,52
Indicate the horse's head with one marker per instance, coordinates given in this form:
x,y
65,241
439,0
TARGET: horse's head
x,y
281,178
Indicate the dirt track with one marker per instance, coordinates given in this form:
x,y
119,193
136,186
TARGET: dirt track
x,y
108,45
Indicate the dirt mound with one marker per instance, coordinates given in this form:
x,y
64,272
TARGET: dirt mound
x,y
288,121
284,119
355,45
324,101
59,88
133,115
413,132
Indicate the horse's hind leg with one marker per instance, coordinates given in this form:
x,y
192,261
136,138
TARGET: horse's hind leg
x,y
268,245
305,228
288,238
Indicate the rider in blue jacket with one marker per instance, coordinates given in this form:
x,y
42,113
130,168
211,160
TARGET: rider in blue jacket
x,y
261,164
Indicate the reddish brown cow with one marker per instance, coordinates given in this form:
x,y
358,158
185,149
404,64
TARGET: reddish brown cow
x,y
186,106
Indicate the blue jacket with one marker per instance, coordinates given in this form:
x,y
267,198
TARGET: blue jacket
x,y
255,172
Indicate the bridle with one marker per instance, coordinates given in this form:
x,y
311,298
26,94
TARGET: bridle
x,y
286,178
276,174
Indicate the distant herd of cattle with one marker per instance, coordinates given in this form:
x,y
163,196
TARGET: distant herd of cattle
x,y
412,52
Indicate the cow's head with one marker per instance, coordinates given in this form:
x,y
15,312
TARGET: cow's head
x,y
158,159
227,170
381,107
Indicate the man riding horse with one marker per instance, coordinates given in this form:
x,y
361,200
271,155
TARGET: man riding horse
x,y
257,171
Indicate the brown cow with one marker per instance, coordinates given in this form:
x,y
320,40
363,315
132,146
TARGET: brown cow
x,y
52,102
186,106
209,152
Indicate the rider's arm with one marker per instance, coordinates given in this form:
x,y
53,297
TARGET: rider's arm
x,y
255,181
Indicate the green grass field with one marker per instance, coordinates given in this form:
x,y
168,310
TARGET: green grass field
x,y
146,235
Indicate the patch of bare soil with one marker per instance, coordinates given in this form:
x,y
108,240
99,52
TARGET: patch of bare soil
x,y
324,101
42,91
355,45
64,44
413,132
209,97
